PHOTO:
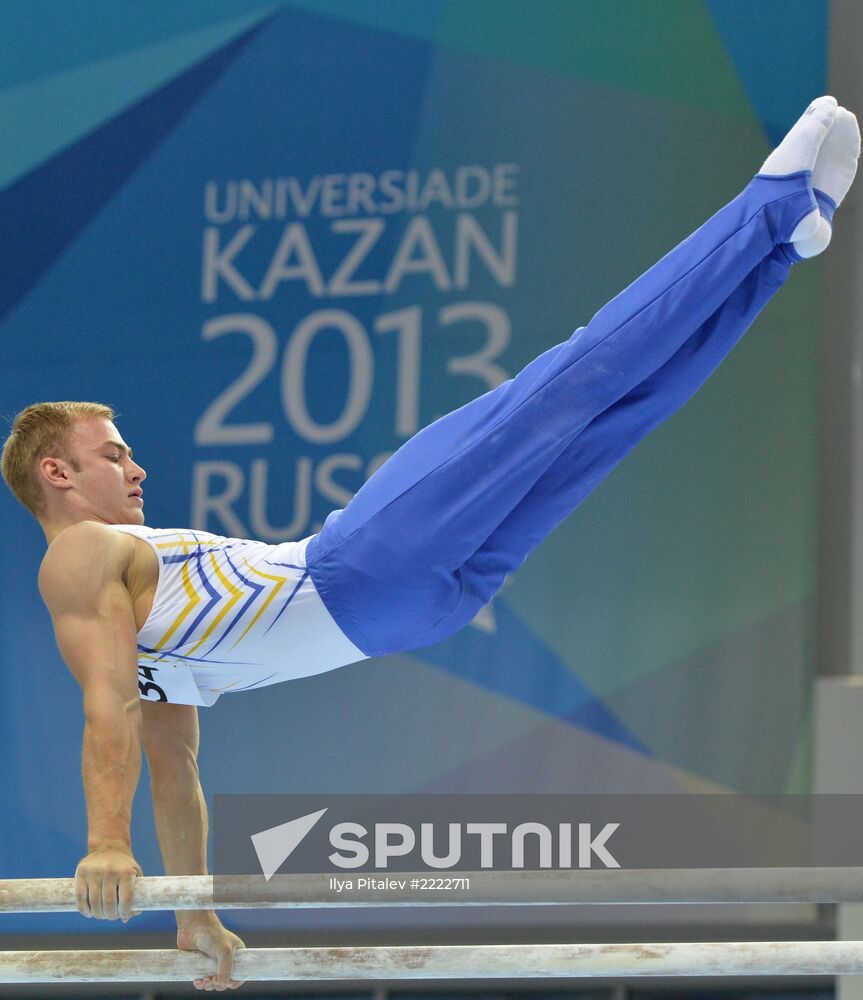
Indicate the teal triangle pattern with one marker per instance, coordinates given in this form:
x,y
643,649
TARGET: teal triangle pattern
x,y
795,28
51,113
44,211
49,37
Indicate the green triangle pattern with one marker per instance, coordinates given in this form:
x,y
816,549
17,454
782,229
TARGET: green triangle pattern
x,y
674,53
763,702
671,51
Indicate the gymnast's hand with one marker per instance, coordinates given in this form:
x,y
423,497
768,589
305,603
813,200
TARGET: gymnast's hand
x,y
203,931
105,883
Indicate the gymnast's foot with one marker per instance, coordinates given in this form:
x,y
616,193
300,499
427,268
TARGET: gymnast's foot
x,y
834,170
799,151
825,141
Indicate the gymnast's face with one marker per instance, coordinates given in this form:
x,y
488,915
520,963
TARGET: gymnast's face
x,y
104,481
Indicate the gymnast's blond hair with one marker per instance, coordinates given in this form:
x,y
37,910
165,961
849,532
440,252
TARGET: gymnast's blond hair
x,y
39,430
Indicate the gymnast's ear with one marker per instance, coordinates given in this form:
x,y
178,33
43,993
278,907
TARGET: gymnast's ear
x,y
54,471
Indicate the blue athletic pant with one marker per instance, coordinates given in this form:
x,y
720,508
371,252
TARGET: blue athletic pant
x,y
432,535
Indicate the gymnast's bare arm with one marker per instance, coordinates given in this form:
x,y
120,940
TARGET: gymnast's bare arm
x,y
171,739
81,581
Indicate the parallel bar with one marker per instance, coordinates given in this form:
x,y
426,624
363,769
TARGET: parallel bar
x,y
547,961
517,888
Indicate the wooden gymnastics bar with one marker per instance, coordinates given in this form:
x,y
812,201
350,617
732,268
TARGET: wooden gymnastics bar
x,y
485,888
519,961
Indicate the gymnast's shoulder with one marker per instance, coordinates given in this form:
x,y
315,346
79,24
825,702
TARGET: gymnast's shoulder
x,y
82,560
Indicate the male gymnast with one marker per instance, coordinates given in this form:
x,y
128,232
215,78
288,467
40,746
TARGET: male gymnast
x,y
154,622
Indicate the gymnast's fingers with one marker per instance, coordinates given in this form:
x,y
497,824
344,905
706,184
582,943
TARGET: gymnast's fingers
x,y
126,896
82,895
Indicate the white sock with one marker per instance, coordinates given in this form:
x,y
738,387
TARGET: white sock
x,y
833,173
836,163
812,245
799,149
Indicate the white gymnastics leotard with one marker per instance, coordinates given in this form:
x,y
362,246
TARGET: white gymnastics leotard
x,y
231,614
